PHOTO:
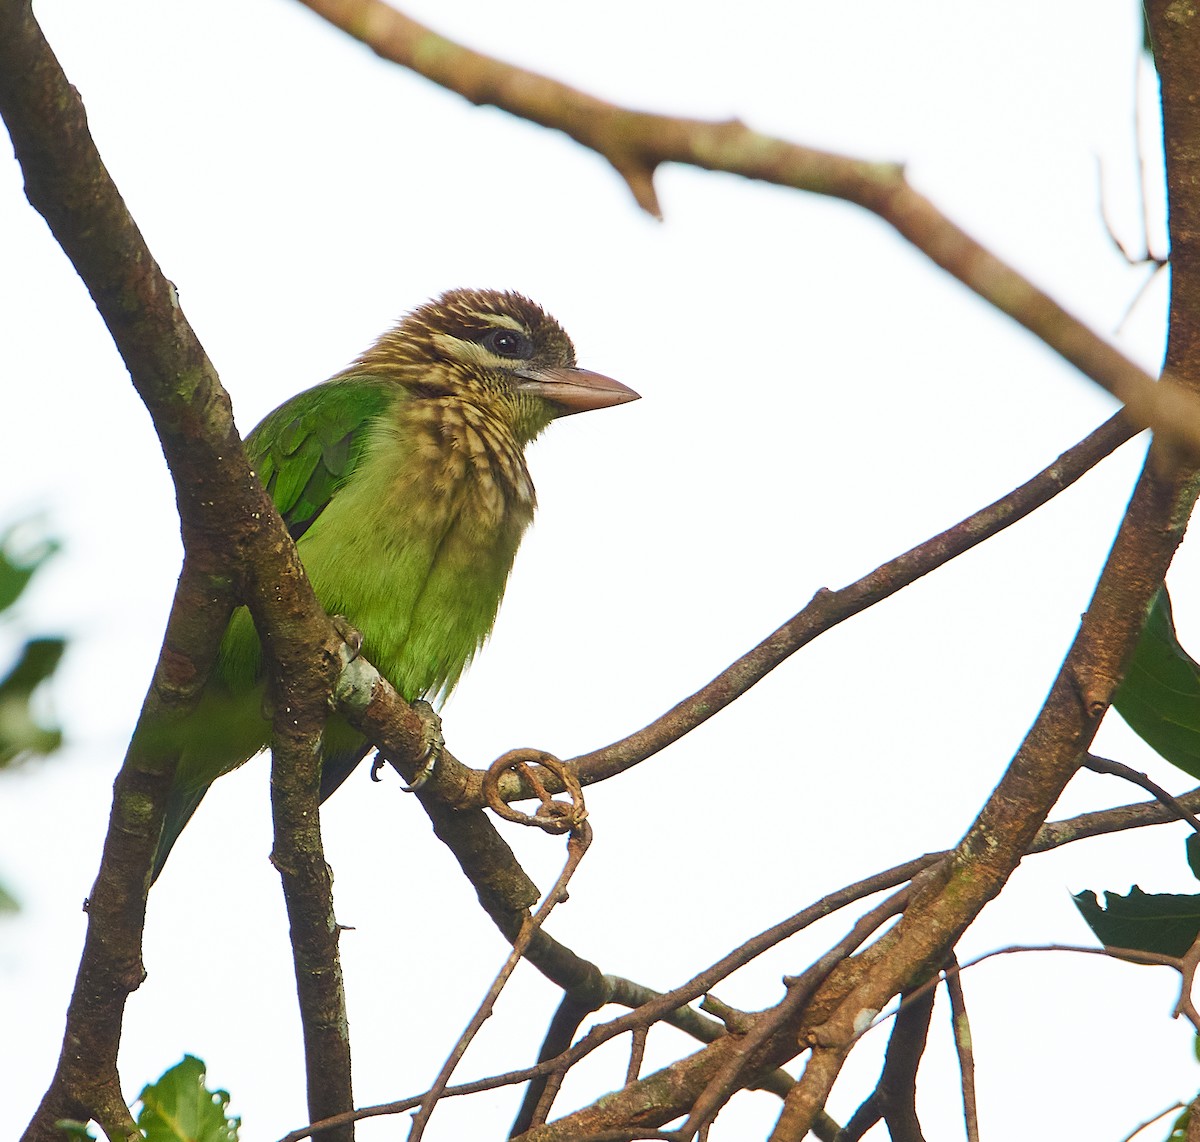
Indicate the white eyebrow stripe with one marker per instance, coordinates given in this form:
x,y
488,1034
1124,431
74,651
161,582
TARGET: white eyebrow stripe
x,y
490,317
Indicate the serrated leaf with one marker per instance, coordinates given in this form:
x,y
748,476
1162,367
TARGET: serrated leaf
x,y
181,1108
1159,922
1160,697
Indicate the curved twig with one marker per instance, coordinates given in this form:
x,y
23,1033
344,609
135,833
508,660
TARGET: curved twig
x,y
1112,768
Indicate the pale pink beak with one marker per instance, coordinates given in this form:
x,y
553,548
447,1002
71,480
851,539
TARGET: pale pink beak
x,y
575,390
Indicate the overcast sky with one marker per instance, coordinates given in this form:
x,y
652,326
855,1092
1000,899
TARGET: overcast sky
x,y
817,397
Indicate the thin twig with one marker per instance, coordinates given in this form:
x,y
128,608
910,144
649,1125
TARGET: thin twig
x,y
1139,152
1119,769
637,1052
828,608
961,1025
546,1095
1151,1121
800,990
1142,814
1155,268
1186,965
705,980
648,1003
374,708
577,846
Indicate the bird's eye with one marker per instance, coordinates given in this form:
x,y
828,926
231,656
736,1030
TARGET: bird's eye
x,y
508,343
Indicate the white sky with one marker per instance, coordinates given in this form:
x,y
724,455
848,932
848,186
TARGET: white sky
x,y
817,397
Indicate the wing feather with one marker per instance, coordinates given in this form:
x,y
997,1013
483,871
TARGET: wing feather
x,y
308,447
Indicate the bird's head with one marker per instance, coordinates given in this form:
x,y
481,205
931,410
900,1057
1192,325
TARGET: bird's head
x,y
497,350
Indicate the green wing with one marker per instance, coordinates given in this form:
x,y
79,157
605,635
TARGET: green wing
x,y
305,450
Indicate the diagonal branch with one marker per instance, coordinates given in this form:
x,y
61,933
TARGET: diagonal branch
x,y
828,608
236,548
1119,769
946,898
649,1006
636,143
375,709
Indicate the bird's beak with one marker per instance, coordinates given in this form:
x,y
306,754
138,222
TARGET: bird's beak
x,y
575,390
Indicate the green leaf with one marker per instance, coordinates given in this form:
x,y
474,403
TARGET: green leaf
x,y
21,733
8,902
1192,846
180,1108
1160,697
1160,923
19,561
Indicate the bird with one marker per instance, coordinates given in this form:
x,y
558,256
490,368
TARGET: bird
x,y
403,482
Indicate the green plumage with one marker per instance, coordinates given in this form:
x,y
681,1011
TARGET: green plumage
x,y
403,482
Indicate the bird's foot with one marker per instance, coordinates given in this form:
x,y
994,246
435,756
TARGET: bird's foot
x,y
350,635
431,740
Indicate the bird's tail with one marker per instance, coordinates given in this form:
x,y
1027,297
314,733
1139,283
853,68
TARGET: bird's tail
x,y
338,766
181,804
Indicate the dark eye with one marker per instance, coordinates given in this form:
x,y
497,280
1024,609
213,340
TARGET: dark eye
x,y
508,343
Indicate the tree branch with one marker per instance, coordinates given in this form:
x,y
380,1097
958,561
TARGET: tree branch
x,y
828,608
636,143
894,1099
1152,528
963,1046
299,856
236,547
375,709
947,897
649,1006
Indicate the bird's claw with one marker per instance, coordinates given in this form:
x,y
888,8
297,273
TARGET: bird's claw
x,y
350,635
433,742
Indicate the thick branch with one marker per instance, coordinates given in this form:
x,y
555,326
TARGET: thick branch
x,y
229,527
894,1099
299,856
1081,694
649,1006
